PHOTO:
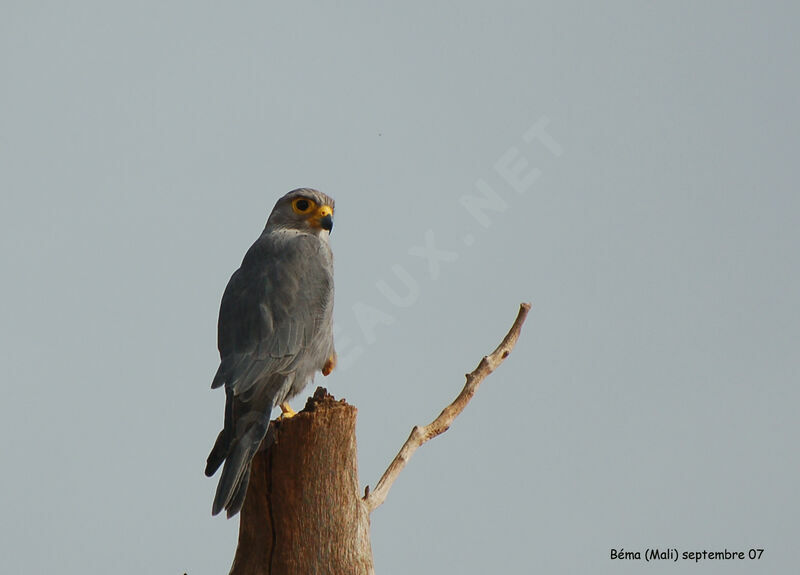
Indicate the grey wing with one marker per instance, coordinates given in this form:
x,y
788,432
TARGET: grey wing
x,y
276,308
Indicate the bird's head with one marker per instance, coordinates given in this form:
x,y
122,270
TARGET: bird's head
x,y
305,210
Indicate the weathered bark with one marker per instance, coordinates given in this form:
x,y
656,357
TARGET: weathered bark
x,y
303,514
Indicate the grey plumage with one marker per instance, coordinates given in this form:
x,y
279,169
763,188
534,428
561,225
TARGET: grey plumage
x,y
274,332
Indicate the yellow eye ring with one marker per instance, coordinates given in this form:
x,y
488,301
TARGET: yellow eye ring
x,y
303,205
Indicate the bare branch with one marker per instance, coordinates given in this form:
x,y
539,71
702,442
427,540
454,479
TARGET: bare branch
x,y
419,435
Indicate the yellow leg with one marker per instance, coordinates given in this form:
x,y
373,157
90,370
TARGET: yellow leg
x,y
287,411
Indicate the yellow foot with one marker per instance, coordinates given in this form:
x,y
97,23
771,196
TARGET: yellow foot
x,y
286,411
329,365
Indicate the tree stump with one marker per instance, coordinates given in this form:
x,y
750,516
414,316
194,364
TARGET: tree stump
x,y
303,514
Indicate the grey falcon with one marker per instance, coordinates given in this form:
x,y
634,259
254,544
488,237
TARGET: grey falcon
x,y
275,332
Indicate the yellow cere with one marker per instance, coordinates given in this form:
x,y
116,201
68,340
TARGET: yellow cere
x,y
316,220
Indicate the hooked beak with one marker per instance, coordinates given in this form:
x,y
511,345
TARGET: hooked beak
x,y
323,218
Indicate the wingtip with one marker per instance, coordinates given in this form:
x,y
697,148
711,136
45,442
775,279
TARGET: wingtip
x,y
219,378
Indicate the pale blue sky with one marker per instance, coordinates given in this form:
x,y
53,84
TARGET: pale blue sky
x,y
652,399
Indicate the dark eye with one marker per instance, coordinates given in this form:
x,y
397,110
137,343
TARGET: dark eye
x,y
302,205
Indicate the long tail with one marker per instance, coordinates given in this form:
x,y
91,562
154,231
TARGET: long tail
x,y
232,486
237,451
